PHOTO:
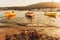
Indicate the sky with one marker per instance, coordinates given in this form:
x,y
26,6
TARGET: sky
x,y
7,3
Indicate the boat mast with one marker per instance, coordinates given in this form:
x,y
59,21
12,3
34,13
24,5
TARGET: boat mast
x,y
52,6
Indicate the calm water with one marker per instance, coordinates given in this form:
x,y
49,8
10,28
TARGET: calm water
x,y
39,18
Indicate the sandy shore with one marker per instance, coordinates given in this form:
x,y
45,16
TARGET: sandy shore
x,y
43,33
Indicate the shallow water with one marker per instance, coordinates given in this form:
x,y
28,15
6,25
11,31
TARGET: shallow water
x,y
40,18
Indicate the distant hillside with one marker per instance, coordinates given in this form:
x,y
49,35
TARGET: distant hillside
x,y
45,5
37,5
14,7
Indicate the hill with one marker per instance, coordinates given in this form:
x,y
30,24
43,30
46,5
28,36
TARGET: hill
x,y
37,5
45,5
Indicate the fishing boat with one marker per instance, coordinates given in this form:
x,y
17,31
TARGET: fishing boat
x,y
9,14
29,14
50,14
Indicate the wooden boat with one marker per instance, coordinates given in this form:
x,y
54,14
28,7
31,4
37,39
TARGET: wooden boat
x,y
29,14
